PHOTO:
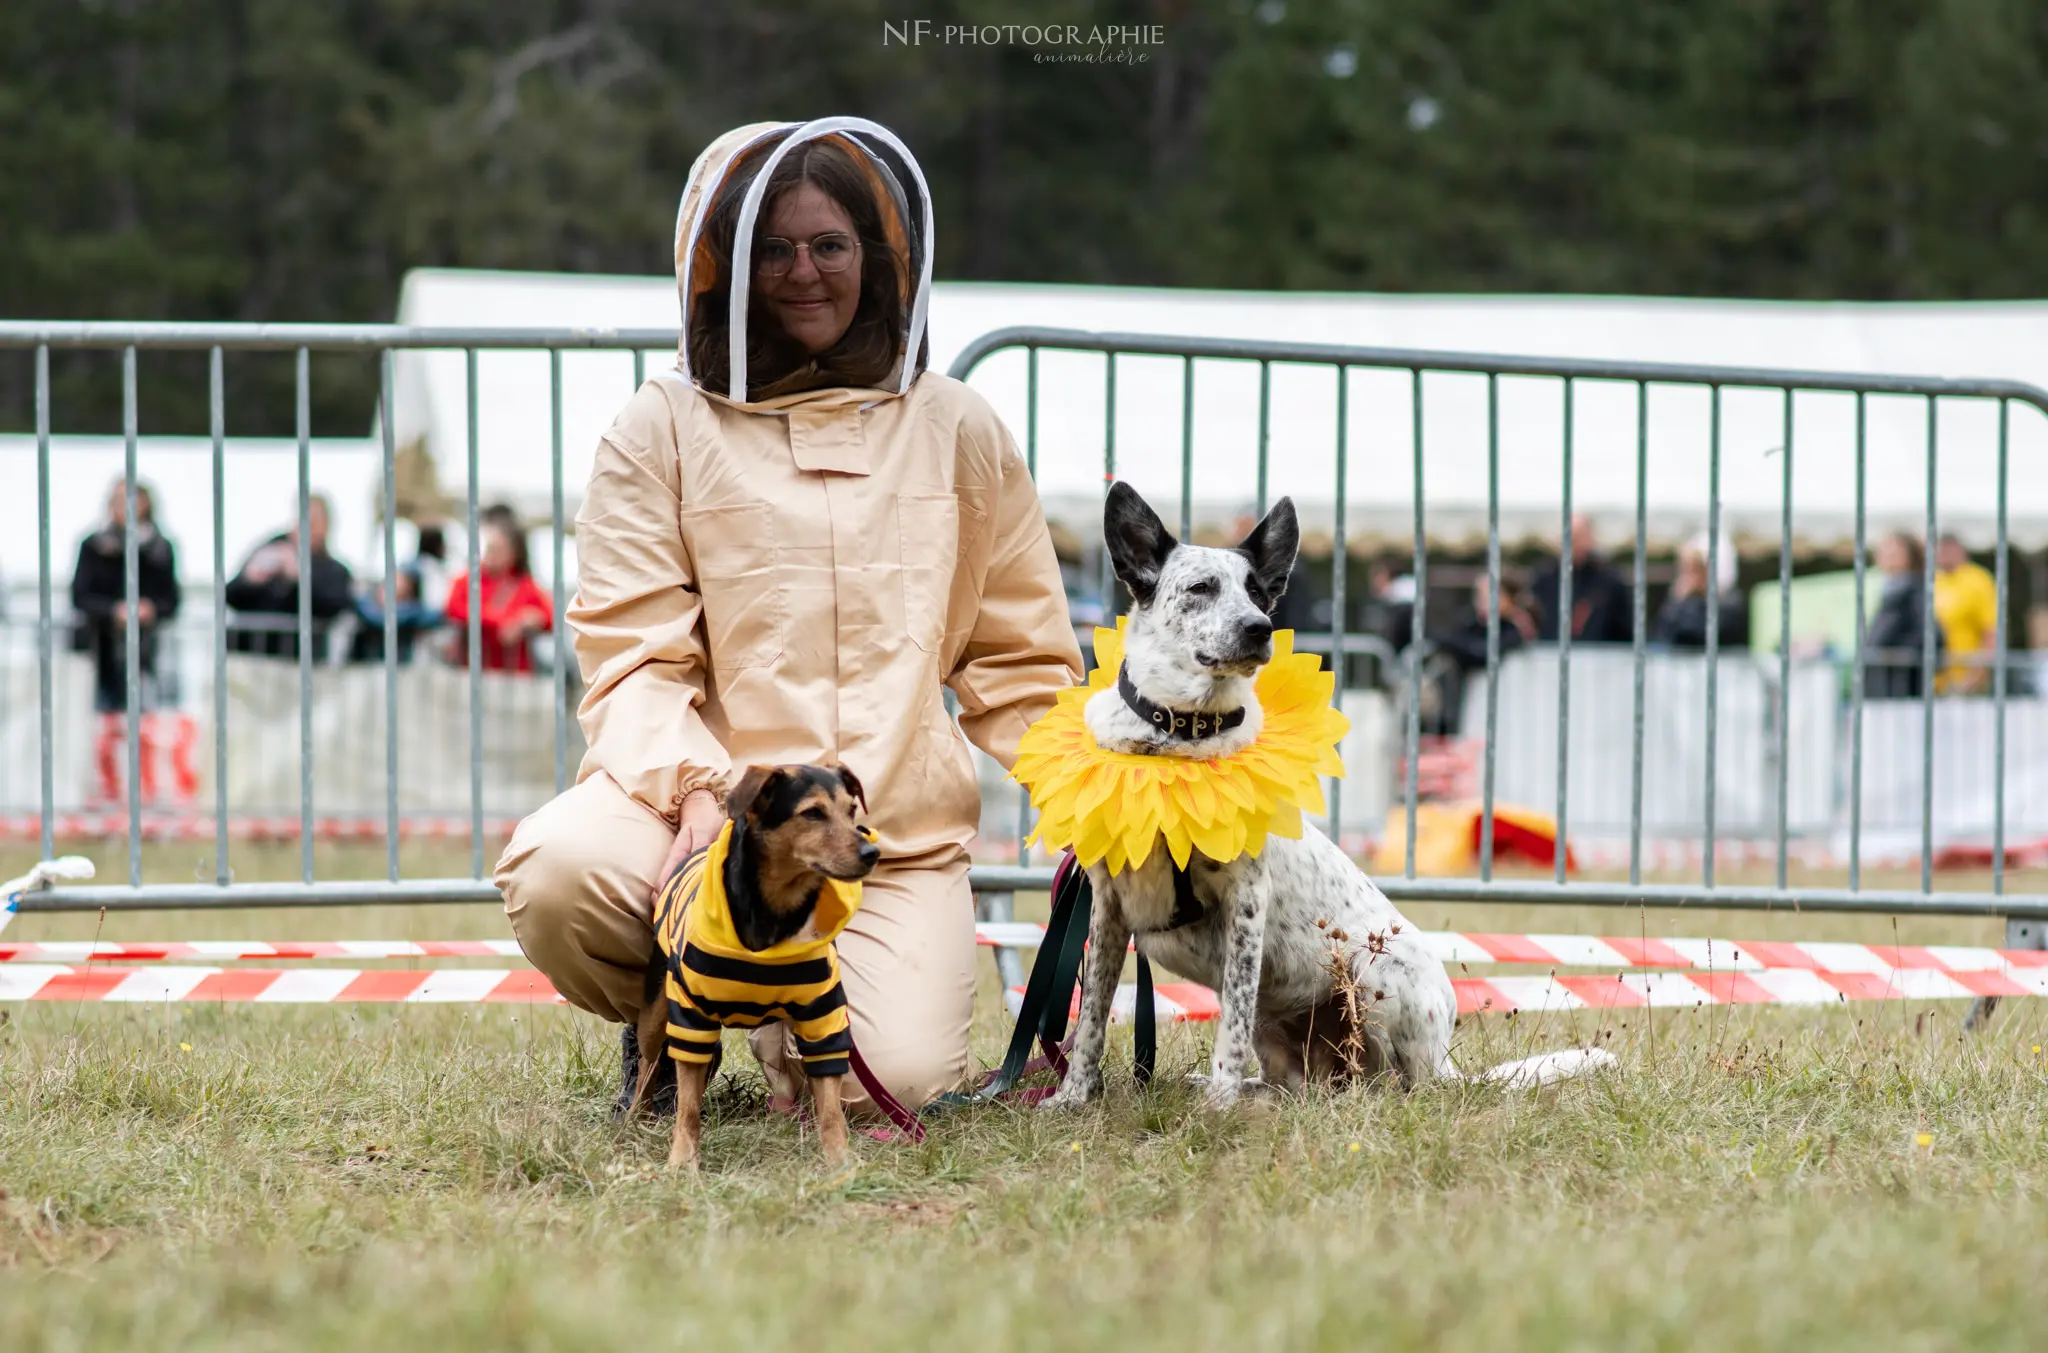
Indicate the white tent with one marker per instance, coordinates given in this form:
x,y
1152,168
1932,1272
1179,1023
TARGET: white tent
x,y
514,421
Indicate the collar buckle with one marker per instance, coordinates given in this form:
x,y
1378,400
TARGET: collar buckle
x,y
1184,725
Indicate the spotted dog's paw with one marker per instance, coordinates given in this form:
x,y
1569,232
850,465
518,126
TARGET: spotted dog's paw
x,y
1075,1092
1222,1092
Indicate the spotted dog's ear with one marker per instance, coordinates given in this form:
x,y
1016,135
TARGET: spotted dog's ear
x,y
852,783
1271,548
748,791
1138,541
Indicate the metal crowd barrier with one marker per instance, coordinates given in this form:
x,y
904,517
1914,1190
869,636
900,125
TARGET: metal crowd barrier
x,y
996,883
2020,910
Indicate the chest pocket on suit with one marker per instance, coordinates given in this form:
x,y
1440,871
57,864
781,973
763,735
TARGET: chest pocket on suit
x,y
745,614
928,537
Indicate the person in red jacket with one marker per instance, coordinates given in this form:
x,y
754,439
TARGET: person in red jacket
x,y
514,608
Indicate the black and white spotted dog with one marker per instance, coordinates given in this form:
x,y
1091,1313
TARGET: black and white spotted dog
x,y
1273,934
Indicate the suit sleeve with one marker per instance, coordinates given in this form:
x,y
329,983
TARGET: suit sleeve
x,y
635,620
1021,652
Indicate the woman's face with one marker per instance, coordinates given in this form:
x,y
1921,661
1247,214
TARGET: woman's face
x,y
117,505
1892,558
814,308
496,550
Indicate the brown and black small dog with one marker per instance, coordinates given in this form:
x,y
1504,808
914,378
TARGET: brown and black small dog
x,y
743,937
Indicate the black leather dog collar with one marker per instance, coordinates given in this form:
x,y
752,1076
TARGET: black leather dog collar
x,y
1176,723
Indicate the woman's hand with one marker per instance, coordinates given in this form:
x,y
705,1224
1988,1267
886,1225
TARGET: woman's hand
x,y
701,819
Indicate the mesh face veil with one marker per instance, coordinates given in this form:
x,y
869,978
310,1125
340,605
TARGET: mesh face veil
x,y
906,222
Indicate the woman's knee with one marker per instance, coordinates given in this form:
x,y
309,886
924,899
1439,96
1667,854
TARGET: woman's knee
x,y
576,879
920,1069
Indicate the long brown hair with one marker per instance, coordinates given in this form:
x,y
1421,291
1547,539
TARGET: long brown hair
x,y
867,352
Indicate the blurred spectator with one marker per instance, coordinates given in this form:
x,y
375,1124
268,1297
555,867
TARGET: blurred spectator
x,y
1966,607
430,563
268,585
1461,651
1892,642
99,592
419,578
1390,606
1682,620
1602,605
513,607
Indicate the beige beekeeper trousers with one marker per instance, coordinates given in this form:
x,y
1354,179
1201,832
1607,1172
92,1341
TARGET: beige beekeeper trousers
x,y
578,880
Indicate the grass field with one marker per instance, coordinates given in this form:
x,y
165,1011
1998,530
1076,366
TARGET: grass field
x,y
372,1177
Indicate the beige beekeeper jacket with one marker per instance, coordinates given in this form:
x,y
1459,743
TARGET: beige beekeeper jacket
x,y
797,580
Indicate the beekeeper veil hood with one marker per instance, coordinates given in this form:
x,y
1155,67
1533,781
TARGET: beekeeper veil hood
x,y
731,348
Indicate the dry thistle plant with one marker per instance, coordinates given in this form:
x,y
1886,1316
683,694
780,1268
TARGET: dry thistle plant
x,y
1353,994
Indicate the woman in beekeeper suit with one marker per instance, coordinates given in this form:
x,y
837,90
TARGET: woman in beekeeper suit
x,y
790,544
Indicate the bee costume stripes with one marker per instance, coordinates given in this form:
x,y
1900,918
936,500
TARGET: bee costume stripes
x,y
714,982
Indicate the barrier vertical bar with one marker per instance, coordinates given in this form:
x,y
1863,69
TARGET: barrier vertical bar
x,y
1999,653
1187,447
1108,570
1713,632
1785,648
388,395
217,401
475,637
1419,630
1265,429
131,619
1640,624
1492,619
1927,658
47,697
639,371
1856,674
559,629
1031,467
1564,643
1339,560
303,382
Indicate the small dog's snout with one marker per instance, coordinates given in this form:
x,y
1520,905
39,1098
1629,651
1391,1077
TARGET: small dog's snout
x,y
1257,631
869,853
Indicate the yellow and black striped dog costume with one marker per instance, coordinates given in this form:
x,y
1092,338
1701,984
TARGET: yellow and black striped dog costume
x,y
715,983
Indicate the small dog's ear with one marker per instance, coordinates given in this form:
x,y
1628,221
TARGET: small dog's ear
x,y
748,790
1271,548
852,783
1138,541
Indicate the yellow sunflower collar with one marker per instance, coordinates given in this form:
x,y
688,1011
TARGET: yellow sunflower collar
x,y
1115,806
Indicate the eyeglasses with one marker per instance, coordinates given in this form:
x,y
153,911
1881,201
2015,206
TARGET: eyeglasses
x,y
833,251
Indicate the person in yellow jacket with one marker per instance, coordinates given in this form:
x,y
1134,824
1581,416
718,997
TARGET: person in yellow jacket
x,y
790,546
1966,606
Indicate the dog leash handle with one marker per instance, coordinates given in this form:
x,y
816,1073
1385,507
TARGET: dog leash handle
x,y
1144,1026
1048,992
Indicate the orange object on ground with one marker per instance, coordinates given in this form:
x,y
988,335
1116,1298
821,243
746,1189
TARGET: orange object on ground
x,y
1447,839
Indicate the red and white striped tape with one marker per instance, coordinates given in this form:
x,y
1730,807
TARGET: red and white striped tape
x,y
1557,951
1714,955
294,986
1180,1002
1775,987
1175,1001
